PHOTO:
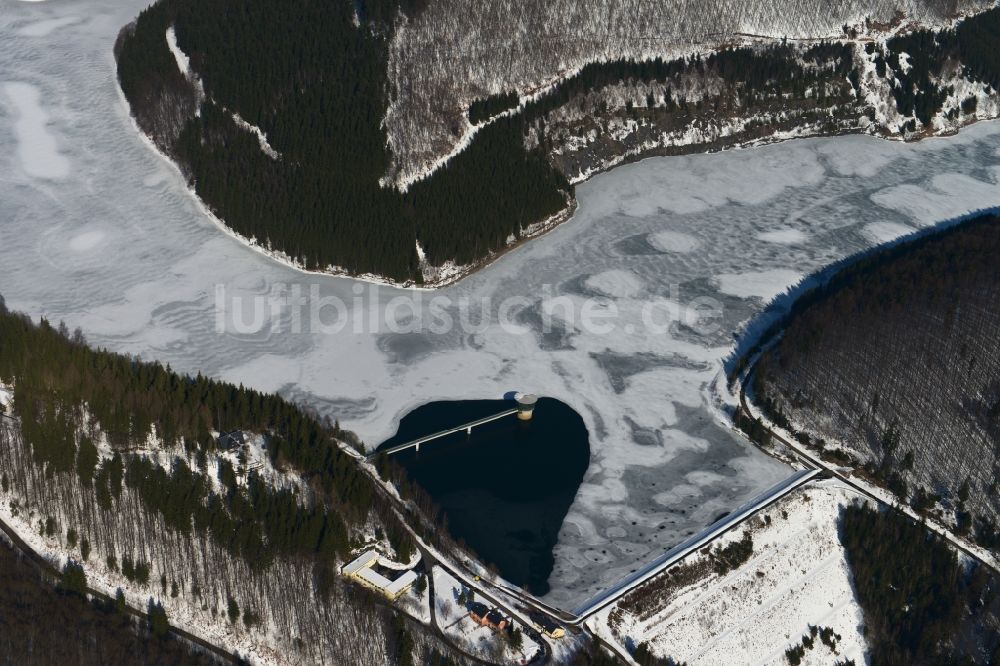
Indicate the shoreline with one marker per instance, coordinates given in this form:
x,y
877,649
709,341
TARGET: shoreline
x,y
280,257
455,274
448,273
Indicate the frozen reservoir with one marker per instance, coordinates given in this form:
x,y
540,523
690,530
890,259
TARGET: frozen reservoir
x,y
98,230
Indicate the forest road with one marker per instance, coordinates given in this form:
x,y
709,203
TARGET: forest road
x,y
810,459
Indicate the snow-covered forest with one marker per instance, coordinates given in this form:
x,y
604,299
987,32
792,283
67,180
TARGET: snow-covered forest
x,y
123,468
381,172
893,368
446,57
947,613
90,632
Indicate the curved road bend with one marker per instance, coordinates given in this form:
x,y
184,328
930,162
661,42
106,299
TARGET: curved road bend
x,y
577,618
430,561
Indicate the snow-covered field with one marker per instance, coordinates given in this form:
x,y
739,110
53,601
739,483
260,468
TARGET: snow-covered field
x,y
417,604
797,576
115,244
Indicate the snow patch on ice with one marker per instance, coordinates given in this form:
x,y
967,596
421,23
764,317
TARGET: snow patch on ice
x,y
86,241
944,196
674,241
786,236
617,283
859,156
47,27
883,232
762,284
37,148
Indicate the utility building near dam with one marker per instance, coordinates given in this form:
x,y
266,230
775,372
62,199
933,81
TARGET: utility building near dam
x,y
526,406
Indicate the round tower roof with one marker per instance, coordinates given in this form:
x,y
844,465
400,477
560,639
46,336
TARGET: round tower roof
x,y
527,400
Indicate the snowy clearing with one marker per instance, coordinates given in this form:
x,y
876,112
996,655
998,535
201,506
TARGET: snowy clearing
x,y
797,576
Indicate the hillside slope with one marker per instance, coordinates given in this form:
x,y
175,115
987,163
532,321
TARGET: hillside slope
x,y
122,467
894,367
90,633
390,141
754,593
444,58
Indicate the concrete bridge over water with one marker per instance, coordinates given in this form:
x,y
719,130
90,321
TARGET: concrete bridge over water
x,y
524,410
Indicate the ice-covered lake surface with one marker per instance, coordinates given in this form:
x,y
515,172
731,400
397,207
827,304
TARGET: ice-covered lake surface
x,y
98,230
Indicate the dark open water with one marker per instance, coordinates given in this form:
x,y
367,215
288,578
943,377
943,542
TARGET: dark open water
x,y
506,488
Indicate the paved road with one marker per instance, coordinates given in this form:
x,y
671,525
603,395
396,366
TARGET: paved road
x,y
810,459
433,628
577,618
47,567
430,560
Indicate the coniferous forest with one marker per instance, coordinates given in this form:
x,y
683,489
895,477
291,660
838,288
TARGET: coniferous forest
x,y
91,632
891,367
921,604
316,86
62,386
313,78
120,463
